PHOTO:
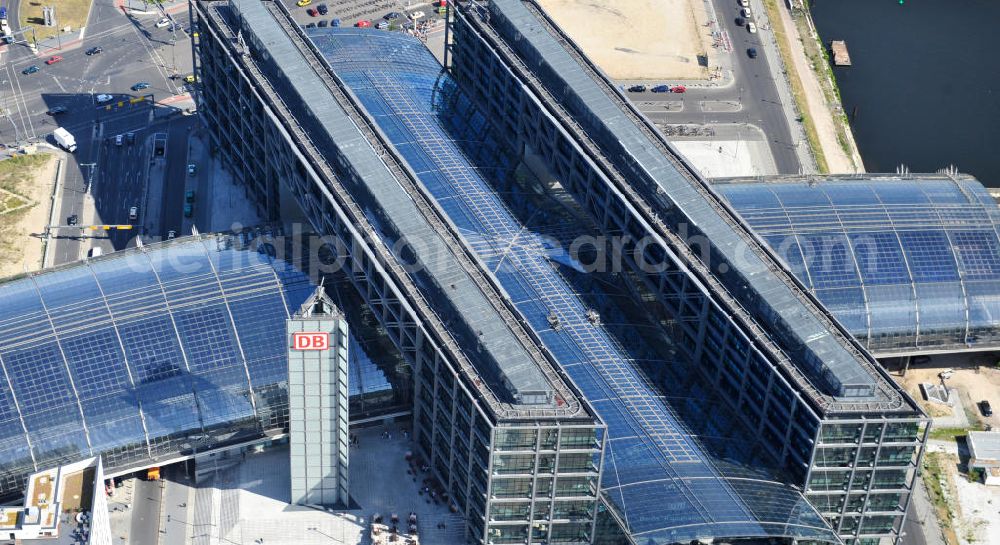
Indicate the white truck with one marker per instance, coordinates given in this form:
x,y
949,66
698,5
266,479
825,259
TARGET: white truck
x,y
64,139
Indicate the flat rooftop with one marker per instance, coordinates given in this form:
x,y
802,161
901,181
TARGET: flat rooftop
x,y
984,446
509,367
848,379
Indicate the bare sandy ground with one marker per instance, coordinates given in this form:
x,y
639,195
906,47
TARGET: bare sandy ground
x,y
979,379
29,249
638,39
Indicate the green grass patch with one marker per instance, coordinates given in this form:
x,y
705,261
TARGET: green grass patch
x,y
936,480
71,13
949,433
18,170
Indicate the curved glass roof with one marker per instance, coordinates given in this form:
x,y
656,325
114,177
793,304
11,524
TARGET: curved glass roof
x,y
907,265
142,354
661,472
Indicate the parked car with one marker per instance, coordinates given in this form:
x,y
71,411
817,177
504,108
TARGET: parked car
x,y
392,15
95,51
303,3
746,13
311,25
162,23
53,59
752,52
382,25
637,89
133,213
364,23
312,12
56,110
985,408
335,22
740,21
140,86
678,89
322,24
417,15
30,70
751,28
745,3
661,89
102,98
322,9
119,139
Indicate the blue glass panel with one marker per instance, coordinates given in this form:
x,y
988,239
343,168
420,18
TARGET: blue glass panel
x,y
113,421
930,255
96,361
152,349
879,258
978,254
829,260
942,309
207,335
893,308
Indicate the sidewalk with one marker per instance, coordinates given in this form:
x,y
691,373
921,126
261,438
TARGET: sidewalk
x,y
817,108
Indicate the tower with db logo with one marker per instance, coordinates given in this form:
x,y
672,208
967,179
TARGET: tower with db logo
x,y
317,403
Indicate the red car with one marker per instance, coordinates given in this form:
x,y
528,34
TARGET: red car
x,y
678,89
53,60
364,23
312,12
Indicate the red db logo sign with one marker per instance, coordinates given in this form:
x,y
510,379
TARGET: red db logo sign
x,y
311,341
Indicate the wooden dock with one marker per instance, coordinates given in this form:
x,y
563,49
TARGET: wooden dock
x,y
840,55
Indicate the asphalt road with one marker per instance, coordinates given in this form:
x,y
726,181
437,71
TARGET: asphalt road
x,y
134,50
146,513
754,88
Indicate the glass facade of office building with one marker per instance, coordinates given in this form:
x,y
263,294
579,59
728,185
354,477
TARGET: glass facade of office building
x,y
478,425
791,381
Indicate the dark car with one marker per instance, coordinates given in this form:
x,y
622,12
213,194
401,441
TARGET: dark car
x,y
740,21
752,52
637,89
95,51
311,25
322,9
985,407
322,24
312,12
55,110
392,15
30,70
73,220
661,89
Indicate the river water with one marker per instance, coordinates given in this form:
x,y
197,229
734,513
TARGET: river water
x,y
924,85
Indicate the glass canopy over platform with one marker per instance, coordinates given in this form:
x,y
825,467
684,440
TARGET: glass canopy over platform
x,y
907,265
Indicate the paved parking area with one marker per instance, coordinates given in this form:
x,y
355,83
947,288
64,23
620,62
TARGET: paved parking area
x,y
351,11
